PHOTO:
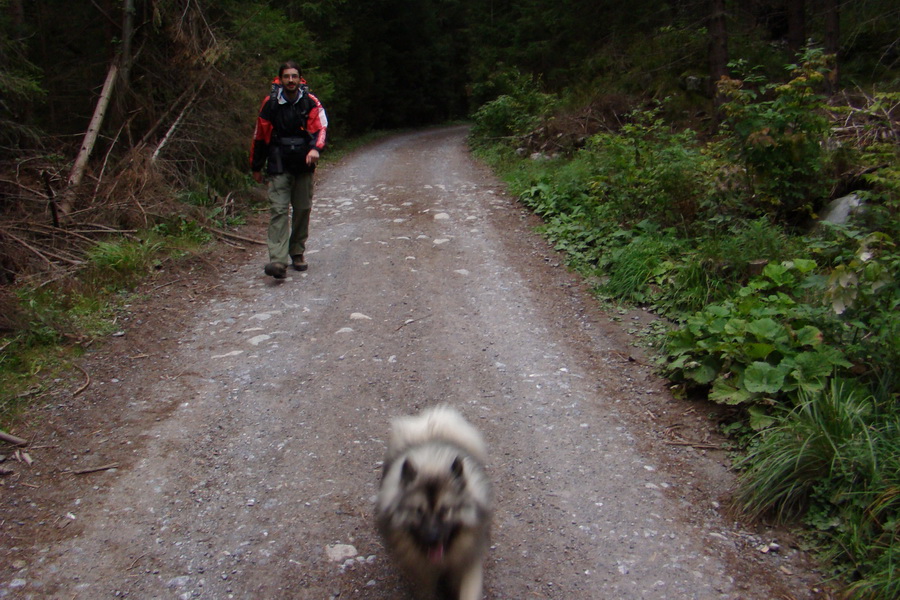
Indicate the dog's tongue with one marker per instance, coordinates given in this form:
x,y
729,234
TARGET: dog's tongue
x,y
436,553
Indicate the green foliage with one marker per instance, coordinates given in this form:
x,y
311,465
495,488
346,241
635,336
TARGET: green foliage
x,y
638,269
863,288
777,132
20,86
182,233
122,263
649,171
834,461
825,437
520,109
761,347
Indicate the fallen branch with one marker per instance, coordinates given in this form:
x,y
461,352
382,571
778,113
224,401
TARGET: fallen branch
x,y
15,441
87,382
113,465
32,248
697,445
162,285
235,236
39,196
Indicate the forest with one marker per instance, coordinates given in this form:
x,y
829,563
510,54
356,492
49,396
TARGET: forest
x,y
685,155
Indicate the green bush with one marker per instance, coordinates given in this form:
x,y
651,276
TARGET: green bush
x,y
761,347
650,172
777,132
519,109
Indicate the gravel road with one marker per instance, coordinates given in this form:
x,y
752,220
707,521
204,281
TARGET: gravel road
x,y
248,417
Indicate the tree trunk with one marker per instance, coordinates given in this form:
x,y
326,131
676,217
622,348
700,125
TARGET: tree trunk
x,y
833,40
796,18
718,45
16,14
90,138
122,62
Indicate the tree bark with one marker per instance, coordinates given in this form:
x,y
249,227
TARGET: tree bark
x,y
121,62
833,40
796,18
718,45
16,13
90,138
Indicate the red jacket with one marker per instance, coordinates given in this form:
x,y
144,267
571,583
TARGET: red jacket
x,y
286,131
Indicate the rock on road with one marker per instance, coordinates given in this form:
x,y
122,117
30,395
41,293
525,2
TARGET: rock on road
x,y
250,438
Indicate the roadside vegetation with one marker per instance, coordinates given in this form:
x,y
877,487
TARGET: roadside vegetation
x,y
790,320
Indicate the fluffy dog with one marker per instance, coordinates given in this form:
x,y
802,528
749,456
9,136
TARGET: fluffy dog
x,y
434,503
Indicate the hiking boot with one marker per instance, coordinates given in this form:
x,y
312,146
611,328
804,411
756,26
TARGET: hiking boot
x,y
276,269
299,263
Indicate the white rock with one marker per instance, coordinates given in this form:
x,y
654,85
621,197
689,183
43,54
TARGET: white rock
x,y
340,552
259,339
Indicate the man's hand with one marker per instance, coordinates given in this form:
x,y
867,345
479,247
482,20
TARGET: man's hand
x,y
257,176
312,157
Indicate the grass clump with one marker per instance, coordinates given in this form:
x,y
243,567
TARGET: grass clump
x,y
832,461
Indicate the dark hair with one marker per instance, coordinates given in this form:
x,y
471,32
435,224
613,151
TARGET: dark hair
x,y
289,65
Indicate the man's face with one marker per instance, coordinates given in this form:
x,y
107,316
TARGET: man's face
x,y
290,79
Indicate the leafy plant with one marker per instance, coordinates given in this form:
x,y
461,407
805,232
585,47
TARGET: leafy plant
x,y
121,263
777,132
509,116
761,347
649,171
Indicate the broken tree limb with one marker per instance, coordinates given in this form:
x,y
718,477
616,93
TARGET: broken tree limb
x,y
114,465
90,138
121,62
235,236
176,123
87,380
11,439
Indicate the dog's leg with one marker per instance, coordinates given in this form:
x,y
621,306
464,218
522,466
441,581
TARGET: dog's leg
x,y
470,583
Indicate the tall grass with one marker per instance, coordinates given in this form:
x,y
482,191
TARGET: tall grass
x,y
826,437
834,462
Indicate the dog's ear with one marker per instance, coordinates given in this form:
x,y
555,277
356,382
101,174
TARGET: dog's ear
x,y
408,472
457,468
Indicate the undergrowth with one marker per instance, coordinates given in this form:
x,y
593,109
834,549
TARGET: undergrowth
x,y
49,325
795,325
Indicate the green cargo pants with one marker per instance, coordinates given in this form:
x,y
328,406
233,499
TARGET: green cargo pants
x,y
290,204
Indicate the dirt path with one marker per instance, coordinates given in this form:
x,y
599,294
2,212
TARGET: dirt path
x,y
249,417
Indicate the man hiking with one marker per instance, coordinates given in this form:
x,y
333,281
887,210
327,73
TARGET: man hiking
x,y
289,137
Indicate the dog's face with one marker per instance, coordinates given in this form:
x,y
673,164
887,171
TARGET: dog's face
x,y
432,507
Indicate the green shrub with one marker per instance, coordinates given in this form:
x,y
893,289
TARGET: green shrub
x,y
761,347
510,116
650,172
825,438
778,132
120,264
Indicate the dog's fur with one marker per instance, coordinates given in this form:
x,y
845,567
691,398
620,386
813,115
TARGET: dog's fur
x,y
434,504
